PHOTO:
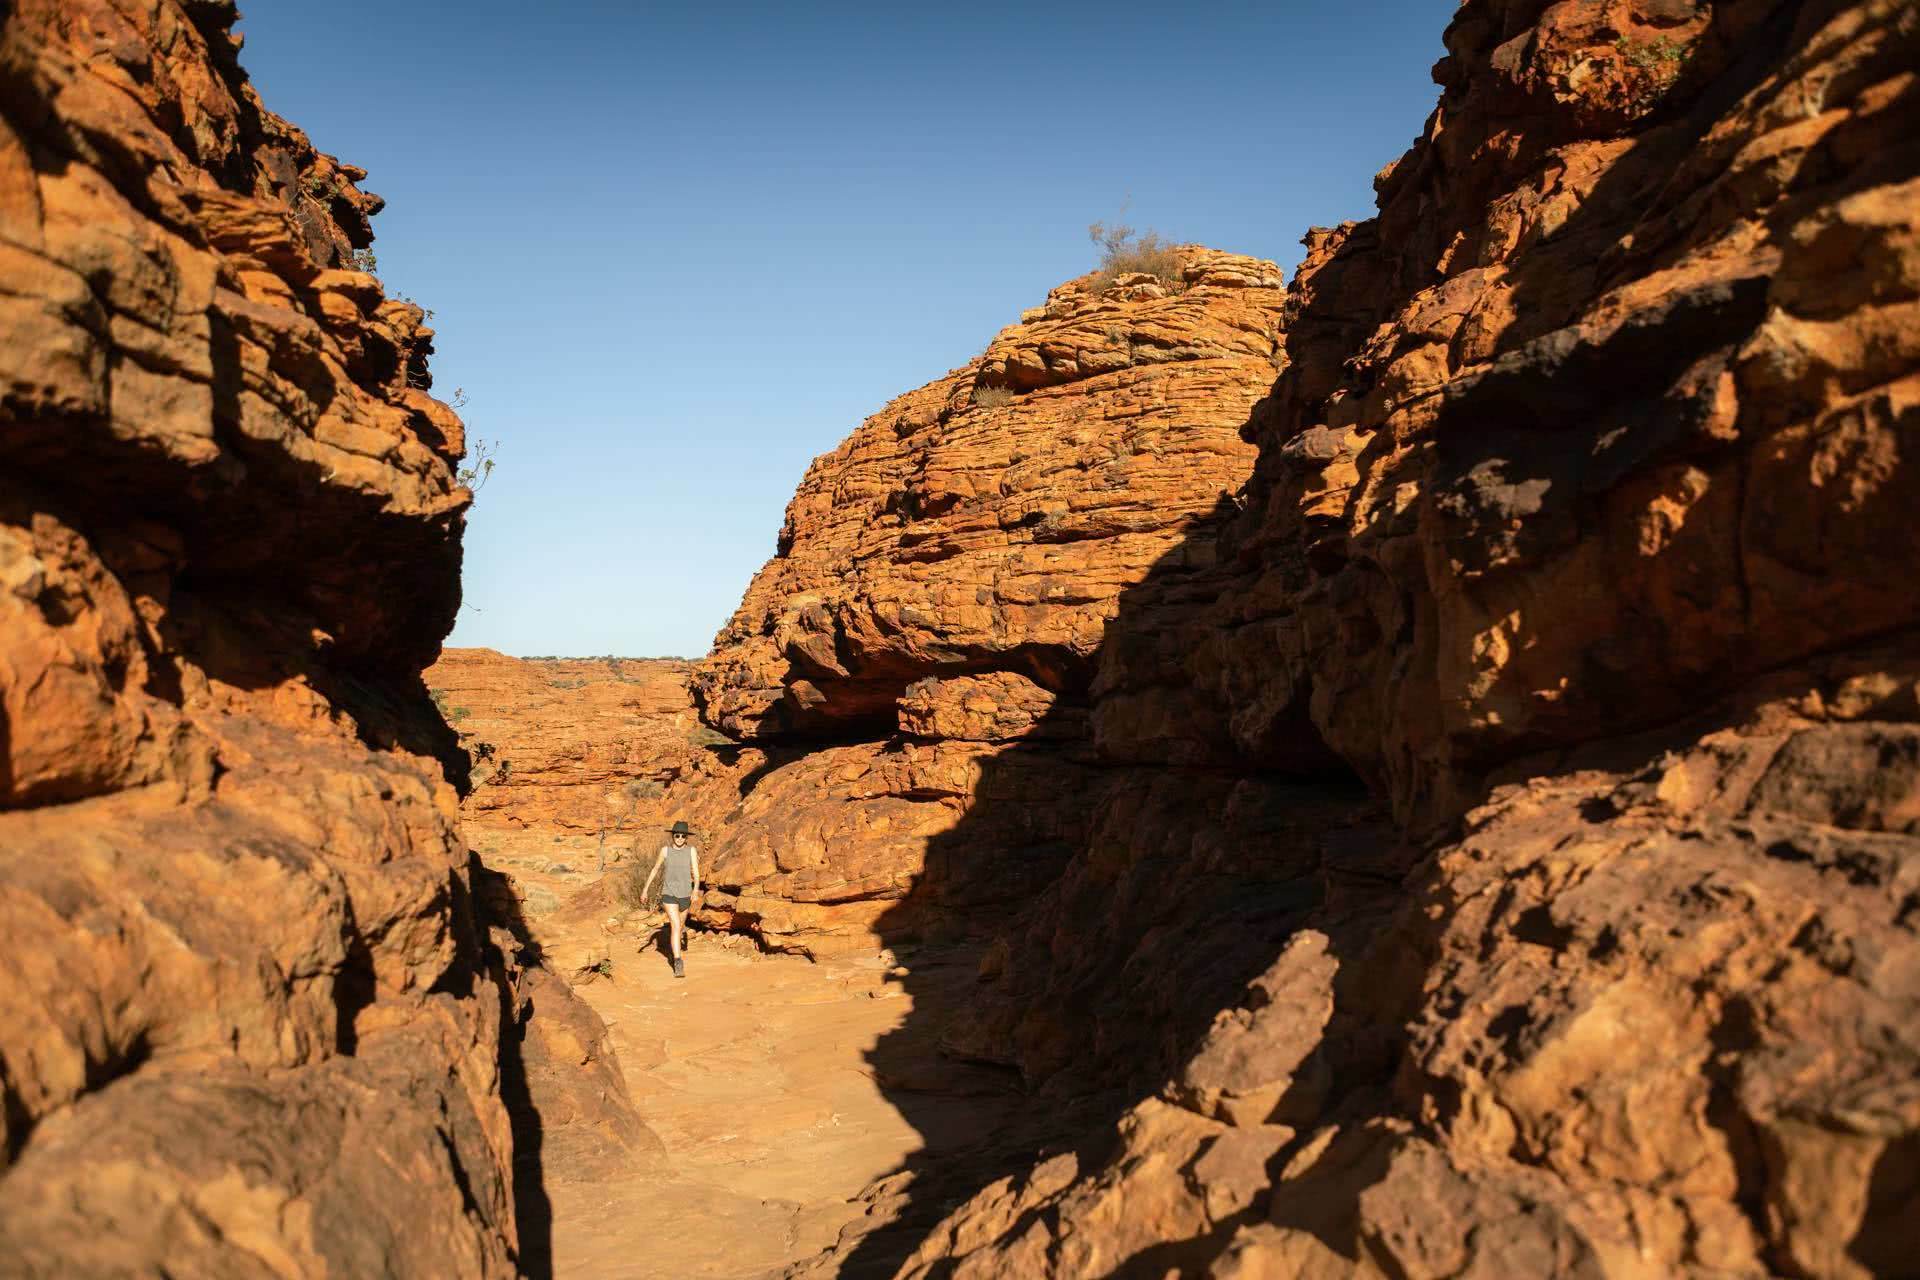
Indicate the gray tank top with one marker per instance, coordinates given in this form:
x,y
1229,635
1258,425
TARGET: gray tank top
x,y
679,872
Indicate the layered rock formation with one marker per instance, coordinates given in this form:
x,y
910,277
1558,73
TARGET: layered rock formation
x,y
1483,844
252,1024
1459,803
988,521
1578,534
575,745
944,581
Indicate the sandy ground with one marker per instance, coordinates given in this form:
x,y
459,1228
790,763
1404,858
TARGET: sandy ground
x,y
757,1072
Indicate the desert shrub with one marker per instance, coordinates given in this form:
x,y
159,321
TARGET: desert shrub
x,y
992,397
484,756
1124,251
457,714
426,313
633,888
478,467
1654,65
703,736
1649,54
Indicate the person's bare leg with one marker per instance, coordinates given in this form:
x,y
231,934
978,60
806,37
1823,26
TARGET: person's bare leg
x,y
675,930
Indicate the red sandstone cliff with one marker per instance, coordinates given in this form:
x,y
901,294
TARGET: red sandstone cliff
x,y
251,1023
1489,852
1579,534
580,745
1482,844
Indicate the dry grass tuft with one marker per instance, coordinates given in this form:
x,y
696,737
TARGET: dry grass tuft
x,y
703,735
1124,251
633,887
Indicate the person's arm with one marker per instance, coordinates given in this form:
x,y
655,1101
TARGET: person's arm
x,y
659,860
696,872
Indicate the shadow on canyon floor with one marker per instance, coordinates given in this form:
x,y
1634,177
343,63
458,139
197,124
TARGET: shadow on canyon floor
x,y
533,1209
1113,909
1135,899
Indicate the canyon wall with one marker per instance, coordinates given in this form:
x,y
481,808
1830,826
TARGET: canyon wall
x,y
252,1022
575,745
1431,753
1579,534
1485,843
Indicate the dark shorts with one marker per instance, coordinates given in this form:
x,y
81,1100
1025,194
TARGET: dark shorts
x,y
682,903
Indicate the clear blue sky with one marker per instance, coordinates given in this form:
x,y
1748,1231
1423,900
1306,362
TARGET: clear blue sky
x,y
675,252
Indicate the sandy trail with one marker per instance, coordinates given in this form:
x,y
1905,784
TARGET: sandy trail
x,y
757,1074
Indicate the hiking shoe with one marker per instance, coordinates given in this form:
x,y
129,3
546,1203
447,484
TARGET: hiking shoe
x,y
679,968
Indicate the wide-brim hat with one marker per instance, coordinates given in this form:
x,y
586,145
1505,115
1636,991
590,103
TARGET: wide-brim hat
x,y
679,829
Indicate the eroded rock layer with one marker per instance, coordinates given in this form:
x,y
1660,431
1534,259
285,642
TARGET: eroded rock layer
x,y
988,521
252,1024
910,673
1579,534
574,745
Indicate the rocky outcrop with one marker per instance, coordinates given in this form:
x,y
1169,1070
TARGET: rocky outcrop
x,y
1576,534
989,521
1448,811
933,618
252,1022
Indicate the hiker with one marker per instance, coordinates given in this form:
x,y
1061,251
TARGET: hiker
x,y
682,862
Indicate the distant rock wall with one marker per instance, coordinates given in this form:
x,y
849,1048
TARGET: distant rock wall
x,y
251,1024
580,745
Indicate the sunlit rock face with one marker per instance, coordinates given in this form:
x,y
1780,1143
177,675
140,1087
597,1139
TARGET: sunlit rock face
x,y
990,520
909,677
576,745
251,1024
1580,533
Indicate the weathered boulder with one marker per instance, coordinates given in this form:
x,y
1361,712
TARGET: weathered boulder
x,y
989,521
910,674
